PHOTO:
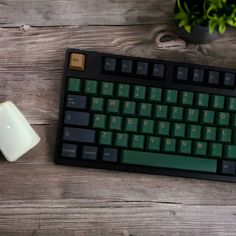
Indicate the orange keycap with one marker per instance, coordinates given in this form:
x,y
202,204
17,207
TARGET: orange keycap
x,y
77,61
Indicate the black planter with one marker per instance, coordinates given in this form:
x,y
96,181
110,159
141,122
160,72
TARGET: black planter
x,y
199,34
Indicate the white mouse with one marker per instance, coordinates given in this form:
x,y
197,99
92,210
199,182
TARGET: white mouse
x,y
16,135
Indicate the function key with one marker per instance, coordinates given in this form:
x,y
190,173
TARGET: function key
x,y
142,68
110,64
182,74
214,78
126,66
198,76
229,80
158,70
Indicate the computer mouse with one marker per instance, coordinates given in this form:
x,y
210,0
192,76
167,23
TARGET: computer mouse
x,y
16,135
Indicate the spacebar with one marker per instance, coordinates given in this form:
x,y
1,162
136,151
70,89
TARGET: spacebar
x,y
168,161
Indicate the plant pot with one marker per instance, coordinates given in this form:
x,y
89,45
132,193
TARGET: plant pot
x,y
199,34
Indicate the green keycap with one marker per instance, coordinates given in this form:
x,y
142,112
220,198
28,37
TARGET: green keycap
x,y
178,130
113,106
129,108
99,121
194,131
215,150
139,92
192,115
185,147
145,109
107,89
74,85
171,96
123,90
105,138
209,133
163,128
137,141
176,113
131,124
147,126
186,98
97,104
202,99
232,104
169,145
200,148
168,161
115,123
91,87
121,140
218,102
225,135
208,117
223,118
161,111
234,120
153,143
155,94
230,151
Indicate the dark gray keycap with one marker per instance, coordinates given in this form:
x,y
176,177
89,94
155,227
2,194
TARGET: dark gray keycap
x,y
89,153
110,64
228,167
126,66
198,75
110,154
77,118
142,68
158,70
76,101
214,78
229,80
79,135
69,150
182,74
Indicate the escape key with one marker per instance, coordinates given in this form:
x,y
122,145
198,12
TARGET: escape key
x,y
77,61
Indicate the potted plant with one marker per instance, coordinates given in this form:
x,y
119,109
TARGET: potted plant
x,y
202,21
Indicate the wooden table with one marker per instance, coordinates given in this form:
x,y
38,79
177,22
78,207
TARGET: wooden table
x,y
38,197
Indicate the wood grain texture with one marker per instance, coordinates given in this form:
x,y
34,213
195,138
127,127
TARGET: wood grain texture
x,y
83,12
38,197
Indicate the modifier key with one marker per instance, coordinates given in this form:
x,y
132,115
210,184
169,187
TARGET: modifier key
x,y
89,153
79,135
228,167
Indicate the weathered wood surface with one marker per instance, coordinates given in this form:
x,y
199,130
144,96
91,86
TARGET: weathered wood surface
x,y
85,12
38,197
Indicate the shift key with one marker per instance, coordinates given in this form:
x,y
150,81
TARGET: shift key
x,y
79,135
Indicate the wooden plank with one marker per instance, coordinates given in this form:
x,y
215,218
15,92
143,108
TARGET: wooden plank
x,y
35,58
82,12
114,217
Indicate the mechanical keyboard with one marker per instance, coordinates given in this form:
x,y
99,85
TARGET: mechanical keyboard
x,y
146,115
